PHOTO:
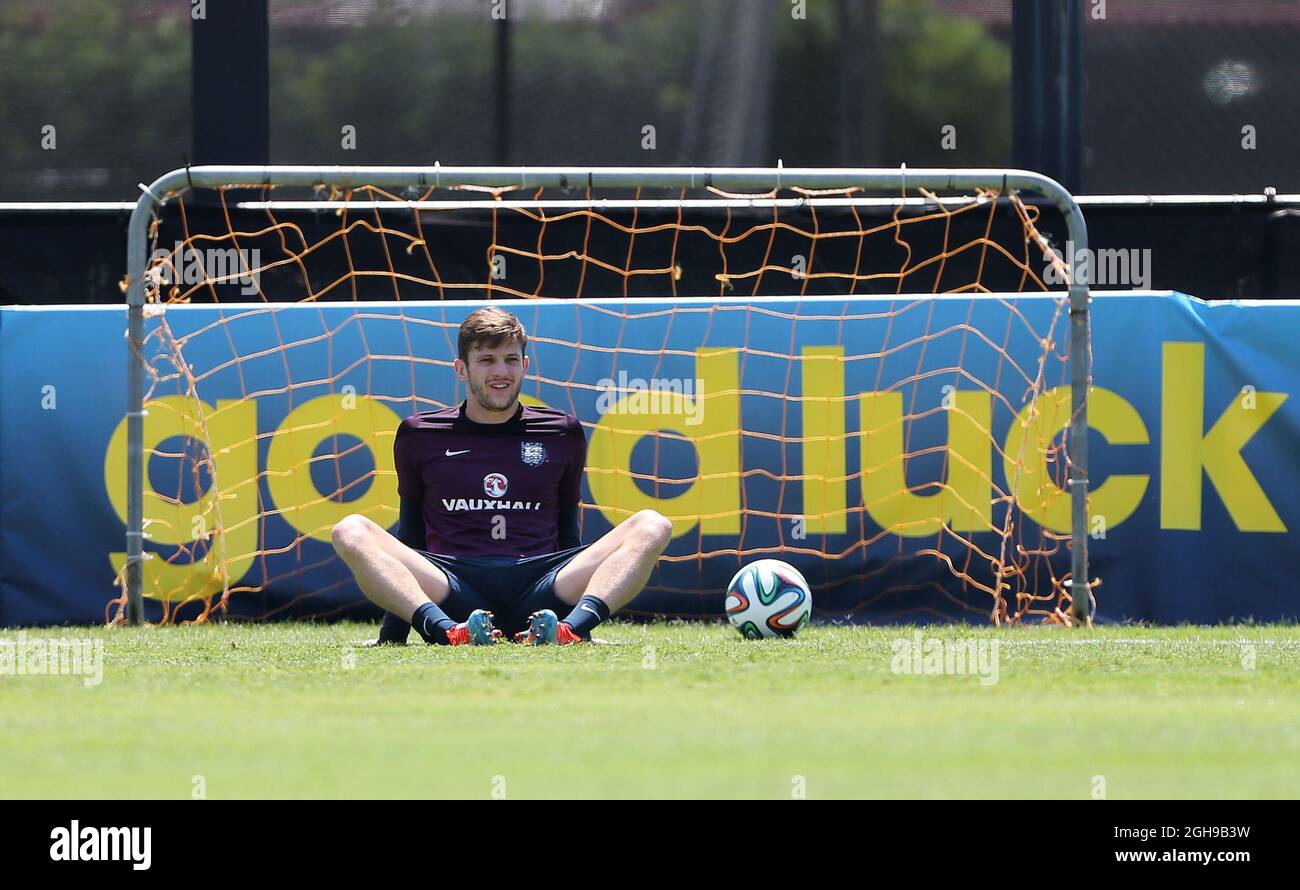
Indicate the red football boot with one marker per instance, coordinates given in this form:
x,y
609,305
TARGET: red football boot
x,y
477,630
545,628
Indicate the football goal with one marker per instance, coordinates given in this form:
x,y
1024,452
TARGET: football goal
x,y
880,376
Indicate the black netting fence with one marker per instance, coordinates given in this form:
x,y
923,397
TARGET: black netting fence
x,y
1179,95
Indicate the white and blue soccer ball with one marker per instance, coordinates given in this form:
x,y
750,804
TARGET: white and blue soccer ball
x,y
768,598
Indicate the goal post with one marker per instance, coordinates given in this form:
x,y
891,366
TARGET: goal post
x,y
744,182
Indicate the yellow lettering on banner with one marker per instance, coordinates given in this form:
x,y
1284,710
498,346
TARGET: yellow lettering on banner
x,y
232,426
964,502
1186,450
288,463
713,500
1029,441
824,487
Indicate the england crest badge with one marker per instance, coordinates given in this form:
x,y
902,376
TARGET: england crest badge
x,y
532,453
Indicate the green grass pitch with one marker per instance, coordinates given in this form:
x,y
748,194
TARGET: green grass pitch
x,y
672,710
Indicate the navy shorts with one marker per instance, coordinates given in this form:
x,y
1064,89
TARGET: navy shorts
x,y
510,588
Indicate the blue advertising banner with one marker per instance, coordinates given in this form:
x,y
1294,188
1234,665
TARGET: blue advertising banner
x,y
761,427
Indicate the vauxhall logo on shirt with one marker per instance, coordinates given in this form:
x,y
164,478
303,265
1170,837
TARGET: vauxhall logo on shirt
x,y
496,485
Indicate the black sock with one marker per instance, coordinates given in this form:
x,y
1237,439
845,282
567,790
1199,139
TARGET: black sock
x,y
589,612
393,631
432,623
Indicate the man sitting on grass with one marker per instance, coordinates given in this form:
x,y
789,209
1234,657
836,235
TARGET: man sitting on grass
x,y
488,526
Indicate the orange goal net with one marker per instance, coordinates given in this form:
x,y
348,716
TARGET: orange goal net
x,y
873,382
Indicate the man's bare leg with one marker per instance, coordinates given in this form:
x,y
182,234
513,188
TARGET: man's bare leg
x,y
390,574
614,569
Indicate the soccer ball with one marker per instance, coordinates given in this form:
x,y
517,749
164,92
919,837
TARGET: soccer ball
x,y
768,598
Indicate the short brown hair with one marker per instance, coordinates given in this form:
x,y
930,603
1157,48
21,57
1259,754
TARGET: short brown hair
x,y
489,327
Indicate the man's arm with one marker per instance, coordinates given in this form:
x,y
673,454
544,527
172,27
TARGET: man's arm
x,y
571,493
570,532
410,531
410,522
410,492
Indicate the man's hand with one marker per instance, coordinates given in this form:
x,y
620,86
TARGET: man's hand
x,y
372,644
